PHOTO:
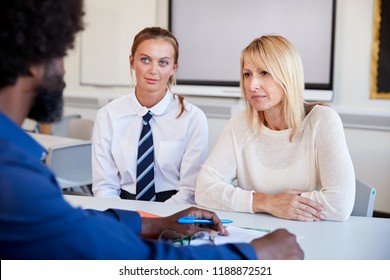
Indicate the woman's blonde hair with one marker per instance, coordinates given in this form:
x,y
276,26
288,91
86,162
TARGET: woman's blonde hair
x,y
284,63
156,33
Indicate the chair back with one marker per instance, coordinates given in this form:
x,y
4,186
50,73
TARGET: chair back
x,y
364,200
61,127
80,129
69,159
71,163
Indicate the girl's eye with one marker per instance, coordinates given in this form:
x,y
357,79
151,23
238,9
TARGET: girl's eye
x,y
247,74
164,63
145,60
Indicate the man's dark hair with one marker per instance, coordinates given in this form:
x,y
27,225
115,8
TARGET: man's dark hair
x,y
35,31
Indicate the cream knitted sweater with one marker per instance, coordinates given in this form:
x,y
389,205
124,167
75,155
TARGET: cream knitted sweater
x,y
317,162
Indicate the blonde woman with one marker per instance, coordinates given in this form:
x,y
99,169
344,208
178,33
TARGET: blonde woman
x,y
179,129
281,156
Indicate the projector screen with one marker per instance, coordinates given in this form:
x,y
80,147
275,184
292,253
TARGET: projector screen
x,y
212,34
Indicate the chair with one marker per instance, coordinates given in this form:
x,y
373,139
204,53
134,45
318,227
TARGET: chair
x,y
70,161
71,164
61,128
364,200
80,129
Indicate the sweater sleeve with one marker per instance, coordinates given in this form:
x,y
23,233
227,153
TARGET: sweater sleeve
x,y
334,166
214,186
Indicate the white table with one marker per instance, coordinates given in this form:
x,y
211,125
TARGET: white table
x,y
356,238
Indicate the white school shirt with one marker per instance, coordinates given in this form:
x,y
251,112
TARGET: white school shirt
x,y
180,146
317,162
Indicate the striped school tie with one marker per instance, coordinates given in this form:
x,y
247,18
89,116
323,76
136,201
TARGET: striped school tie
x,y
145,163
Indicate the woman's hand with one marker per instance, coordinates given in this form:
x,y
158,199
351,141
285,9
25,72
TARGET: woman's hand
x,y
152,227
288,205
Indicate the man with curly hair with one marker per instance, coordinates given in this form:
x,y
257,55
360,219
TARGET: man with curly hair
x,y
35,220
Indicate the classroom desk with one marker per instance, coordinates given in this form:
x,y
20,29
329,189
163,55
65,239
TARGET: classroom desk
x,y
356,238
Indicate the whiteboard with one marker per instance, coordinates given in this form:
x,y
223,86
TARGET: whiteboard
x,y
212,34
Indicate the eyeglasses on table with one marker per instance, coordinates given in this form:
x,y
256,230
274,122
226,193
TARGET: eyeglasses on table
x,y
177,239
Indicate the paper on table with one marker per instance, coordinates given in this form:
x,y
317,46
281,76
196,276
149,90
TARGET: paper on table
x,y
237,235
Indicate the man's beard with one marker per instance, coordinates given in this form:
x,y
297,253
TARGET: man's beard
x,y
48,104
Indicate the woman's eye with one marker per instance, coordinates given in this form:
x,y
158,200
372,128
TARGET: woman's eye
x,y
264,73
145,60
164,63
247,74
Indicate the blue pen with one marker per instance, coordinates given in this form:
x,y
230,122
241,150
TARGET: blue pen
x,y
194,220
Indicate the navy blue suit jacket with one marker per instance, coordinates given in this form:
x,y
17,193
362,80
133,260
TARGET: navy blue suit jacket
x,y
37,223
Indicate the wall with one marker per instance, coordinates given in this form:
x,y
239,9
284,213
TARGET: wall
x,y
369,145
353,59
74,62
369,148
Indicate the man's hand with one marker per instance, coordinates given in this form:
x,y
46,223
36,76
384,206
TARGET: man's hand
x,y
278,245
152,227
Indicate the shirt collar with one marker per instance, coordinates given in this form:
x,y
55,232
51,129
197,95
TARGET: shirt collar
x,y
157,109
13,133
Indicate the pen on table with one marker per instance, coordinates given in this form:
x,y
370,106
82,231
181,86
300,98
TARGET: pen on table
x,y
194,220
